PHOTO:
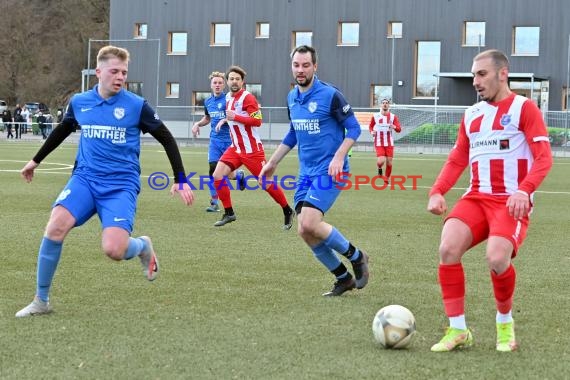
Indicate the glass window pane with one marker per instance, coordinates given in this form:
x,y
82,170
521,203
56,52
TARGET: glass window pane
x,y
173,90
222,34
380,92
428,61
140,30
349,33
135,87
263,29
396,29
303,38
474,30
178,43
527,40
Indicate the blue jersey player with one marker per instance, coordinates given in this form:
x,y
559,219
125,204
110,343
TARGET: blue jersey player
x,y
319,116
220,139
106,176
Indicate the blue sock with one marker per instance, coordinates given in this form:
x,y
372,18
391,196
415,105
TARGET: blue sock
x,y
326,256
136,246
339,243
48,258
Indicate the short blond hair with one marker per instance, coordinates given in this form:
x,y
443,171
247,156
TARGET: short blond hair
x,y
216,74
110,51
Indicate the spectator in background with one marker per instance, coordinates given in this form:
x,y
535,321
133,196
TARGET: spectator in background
x,y
7,120
25,120
42,124
17,120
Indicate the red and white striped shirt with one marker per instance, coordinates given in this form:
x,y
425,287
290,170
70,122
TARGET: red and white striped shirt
x,y
244,134
499,143
381,124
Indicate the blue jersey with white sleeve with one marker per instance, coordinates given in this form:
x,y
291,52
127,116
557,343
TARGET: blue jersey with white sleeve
x,y
215,107
318,118
109,144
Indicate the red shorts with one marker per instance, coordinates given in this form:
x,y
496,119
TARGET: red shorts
x,y
487,215
384,151
252,161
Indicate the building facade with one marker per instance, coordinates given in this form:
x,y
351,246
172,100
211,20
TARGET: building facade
x,y
415,52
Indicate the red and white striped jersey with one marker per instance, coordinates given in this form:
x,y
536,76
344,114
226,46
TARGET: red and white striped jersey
x,y
498,143
245,138
381,124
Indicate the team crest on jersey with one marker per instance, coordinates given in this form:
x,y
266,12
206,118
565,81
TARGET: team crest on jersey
x,y
505,119
219,105
312,107
119,113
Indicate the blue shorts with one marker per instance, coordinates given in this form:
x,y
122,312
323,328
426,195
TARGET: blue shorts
x,y
320,191
217,148
115,205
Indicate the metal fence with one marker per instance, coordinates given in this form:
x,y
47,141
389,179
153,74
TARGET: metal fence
x,y
425,129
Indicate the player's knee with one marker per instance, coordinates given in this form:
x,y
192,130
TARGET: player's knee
x,y
58,229
497,263
113,250
306,229
449,253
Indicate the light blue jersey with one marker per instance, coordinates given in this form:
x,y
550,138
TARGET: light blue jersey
x,y
317,126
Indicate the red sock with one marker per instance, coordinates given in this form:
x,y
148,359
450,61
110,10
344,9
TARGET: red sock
x,y
504,288
388,170
277,194
222,187
452,283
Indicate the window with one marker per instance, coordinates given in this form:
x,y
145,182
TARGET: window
x,y
302,38
177,43
474,33
221,34
262,30
198,98
525,40
135,87
255,89
172,90
348,33
395,29
427,65
379,92
140,30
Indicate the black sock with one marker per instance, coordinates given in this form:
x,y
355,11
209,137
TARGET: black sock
x,y
229,210
379,171
287,210
341,271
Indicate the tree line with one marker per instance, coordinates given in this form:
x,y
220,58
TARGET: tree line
x,y
43,47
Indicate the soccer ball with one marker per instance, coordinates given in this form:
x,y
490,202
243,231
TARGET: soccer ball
x,y
394,326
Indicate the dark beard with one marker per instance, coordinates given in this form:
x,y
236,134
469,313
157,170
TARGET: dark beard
x,y
307,82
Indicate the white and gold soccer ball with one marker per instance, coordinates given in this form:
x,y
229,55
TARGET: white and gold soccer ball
x,y
394,326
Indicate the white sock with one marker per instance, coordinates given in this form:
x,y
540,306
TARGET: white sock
x,y
458,322
504,318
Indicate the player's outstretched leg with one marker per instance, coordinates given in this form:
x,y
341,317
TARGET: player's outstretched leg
x,y
149,261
